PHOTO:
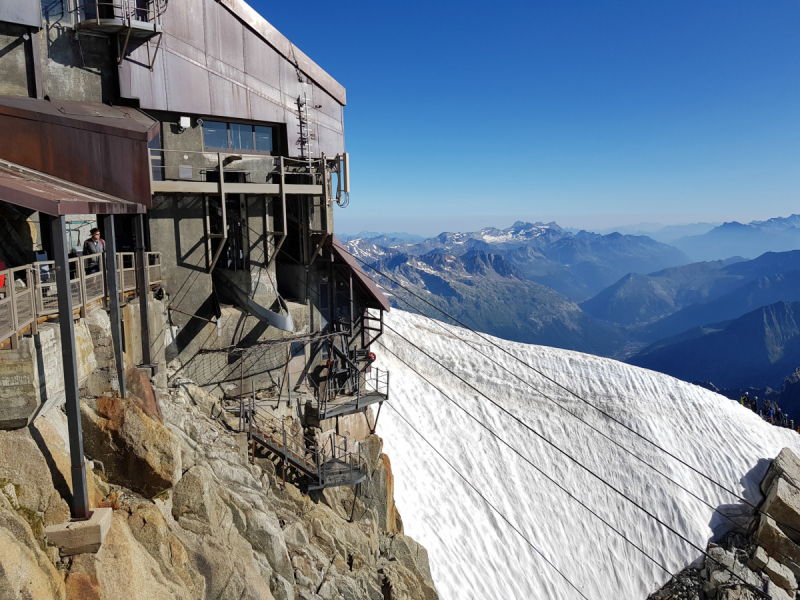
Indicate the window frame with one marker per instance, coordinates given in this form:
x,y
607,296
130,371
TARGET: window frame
x,y
276,137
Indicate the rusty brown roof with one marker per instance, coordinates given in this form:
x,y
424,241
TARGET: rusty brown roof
x,y
372,290
92,116
37,191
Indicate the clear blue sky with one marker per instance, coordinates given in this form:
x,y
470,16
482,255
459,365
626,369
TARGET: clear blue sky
x,y
466,114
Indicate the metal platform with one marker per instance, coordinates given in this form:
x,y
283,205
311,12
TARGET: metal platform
x,y
137,29
347,405
331,466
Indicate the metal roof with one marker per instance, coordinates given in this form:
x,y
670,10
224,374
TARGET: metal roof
x,y
37,191
91,116
372,290
94,145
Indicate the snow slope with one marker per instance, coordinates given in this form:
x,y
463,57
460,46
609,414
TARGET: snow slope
x,y
473,553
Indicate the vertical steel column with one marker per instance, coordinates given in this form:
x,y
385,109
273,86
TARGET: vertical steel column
x,y
144,292
112,283
80,497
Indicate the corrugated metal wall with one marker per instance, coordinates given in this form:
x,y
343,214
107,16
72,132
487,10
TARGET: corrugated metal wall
x,y
21,12
212,63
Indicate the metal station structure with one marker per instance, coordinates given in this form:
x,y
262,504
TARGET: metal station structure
x,y
198,133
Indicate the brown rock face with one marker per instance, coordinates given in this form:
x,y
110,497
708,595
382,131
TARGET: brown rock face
x,y
378,489
138,452
140,389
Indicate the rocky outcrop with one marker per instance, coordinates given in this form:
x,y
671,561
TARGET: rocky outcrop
x,y
136,449
751,562
219,528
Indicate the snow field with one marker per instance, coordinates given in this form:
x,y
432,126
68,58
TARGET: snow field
x,y
473,553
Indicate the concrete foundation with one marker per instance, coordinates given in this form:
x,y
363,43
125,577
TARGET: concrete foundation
x,y
32,377
81,537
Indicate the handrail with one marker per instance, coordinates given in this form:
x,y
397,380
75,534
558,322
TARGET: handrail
x,y
125,11
201,171
28,293
338,461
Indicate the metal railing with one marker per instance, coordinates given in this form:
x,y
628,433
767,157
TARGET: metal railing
x,y
153,268
126,272
355,389
237,167
30,292
17,309
337,461
123,12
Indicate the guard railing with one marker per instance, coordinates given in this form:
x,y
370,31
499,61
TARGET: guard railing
x,y
357,389
29,292
119,12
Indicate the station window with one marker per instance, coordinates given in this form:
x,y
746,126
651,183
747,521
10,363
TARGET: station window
x,y
238,136
241,136
215,134
263,138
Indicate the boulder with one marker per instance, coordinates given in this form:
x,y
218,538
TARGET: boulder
x,y
103,379
140,388
782,575
759,559
783,505
785,466
23,465
152,532
770,536
776,592
124,569
23,565
137,450
207,404
21,573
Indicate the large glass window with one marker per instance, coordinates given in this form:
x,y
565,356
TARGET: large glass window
x,y
241,136
215,134
238,136
263,138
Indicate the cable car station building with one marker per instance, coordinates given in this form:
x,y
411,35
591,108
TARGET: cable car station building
x,y
209,151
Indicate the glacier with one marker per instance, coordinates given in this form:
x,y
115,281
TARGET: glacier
x,y
473,553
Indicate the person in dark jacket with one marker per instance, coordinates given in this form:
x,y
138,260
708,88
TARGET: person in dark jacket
x,y
94,245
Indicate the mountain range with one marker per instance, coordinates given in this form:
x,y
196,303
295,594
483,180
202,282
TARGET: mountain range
x,y
758,349
488,293
672,300
577,265
743,239
622,296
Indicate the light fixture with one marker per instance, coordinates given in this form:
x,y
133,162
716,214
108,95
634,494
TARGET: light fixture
x,y
184,123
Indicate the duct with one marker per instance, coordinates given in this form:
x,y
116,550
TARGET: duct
x,y
263,314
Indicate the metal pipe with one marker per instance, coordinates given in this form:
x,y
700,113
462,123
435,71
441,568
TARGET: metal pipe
x,y
144,292
113,300
224,210
80,496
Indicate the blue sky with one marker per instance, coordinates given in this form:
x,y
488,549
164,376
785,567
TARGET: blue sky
x,y
463,115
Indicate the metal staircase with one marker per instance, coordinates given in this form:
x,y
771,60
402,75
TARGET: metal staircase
x,y
338,462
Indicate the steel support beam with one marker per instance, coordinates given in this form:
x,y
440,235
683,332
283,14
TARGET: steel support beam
x,y
80,497
112,284
144,291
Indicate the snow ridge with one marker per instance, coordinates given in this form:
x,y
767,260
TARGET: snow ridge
x,y
473,554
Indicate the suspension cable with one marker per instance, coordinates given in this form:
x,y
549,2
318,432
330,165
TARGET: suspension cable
x,y
579,397
486,500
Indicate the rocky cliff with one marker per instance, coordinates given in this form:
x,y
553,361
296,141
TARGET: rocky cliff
x,y
192,517
759,558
